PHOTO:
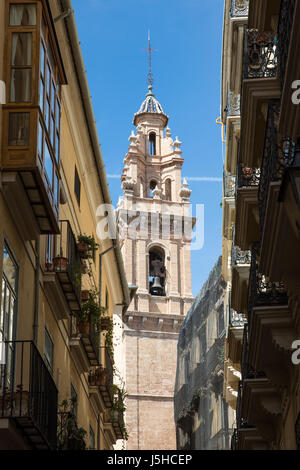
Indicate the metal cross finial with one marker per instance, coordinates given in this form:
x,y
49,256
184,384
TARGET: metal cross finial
x,y
150,50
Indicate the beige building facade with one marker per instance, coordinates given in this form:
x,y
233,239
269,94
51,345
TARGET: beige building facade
x,y
52,180
156,253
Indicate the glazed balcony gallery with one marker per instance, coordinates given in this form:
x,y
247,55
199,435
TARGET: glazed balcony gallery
x,y
31,116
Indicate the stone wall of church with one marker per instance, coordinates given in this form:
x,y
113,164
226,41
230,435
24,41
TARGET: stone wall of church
x,y
150,378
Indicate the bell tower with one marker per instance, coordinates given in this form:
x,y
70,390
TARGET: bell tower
x,y
155,236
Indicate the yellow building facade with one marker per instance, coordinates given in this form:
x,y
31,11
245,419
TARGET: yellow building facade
x,y
57,366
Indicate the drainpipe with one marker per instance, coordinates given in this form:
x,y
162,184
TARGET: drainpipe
x,y
36,291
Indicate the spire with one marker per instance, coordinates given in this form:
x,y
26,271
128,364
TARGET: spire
x,y
150,80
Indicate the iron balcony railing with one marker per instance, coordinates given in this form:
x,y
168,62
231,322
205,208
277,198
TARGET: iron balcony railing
x,y
278,154
239,8
67,265
117,418
260,58
240,257
107,388
28,393
262,291
89,336
229,185
286,19
236,320
233,104
248,372
247,177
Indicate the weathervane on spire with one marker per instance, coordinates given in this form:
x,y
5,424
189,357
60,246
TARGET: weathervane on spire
x,y
150,50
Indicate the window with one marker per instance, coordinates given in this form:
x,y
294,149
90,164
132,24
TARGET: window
x,y
18,129
48,351
152,186
152,143
74,401
157,271
22,15
92,439
9,296
77,186
221,322
168,189
106,298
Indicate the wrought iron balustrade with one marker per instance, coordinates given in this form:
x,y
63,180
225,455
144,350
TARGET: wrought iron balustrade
x,y
278,154
286,19
28,394
106,389
248,372
239,8
229,185
236,320
89,335
234,440
233,104
240,257
66,263
247,177
260,58
262,291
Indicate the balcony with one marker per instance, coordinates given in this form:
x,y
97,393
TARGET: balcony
x,y
239,8
235,335
289,48
63,276
247,216
106,387
84,343
229,205
28,399
260,84
271,327
117,417
240,275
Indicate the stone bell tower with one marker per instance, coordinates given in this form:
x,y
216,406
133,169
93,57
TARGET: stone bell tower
x,y
155,238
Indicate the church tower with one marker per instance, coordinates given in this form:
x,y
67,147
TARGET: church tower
x,y
155,235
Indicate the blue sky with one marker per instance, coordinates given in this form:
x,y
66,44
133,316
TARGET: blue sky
x,y
187,35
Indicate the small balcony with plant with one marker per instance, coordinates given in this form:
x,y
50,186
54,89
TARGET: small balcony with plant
x,y
247,215
115,414
28,398
240,261
69,435
260,84
85,331
87,246
62,276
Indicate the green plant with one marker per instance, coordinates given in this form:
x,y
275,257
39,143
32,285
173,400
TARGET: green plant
x,y
91,311
69,435
89,240
109,343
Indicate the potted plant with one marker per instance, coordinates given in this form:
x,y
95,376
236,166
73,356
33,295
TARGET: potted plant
x,y
91,311
86,246
109,341
98,376
69,435
48,266
105,323
60,263
85,294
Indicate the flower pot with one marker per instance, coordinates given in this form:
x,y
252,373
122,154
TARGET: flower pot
x,y
83,249
48,266
101,374
85,295
60,264
83,327
105,323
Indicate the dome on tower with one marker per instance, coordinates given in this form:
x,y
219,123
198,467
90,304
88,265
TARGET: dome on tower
x,y
151,106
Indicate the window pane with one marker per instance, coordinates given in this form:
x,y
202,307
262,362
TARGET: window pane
x,y
53,98
47,114
56,189
57,149
48,80
53,131
20,85
18,133
48,164
10,269
57,115
42,60
42,96
49,349
21,46
40,141
22,15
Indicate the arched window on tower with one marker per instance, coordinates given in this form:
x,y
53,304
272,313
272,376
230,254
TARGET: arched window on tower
x,y
157,271
168,189
152,186
152,143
